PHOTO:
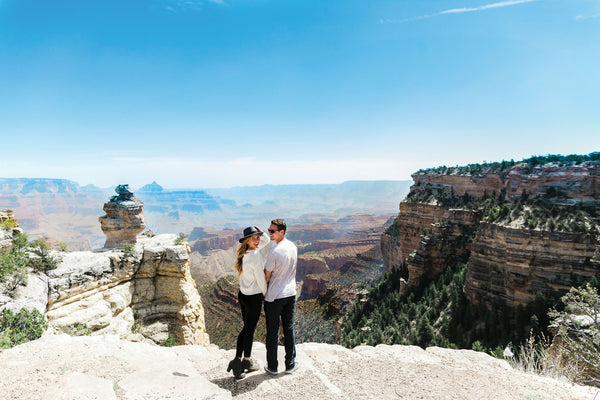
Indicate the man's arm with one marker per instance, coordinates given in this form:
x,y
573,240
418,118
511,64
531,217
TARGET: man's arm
x,y
267,275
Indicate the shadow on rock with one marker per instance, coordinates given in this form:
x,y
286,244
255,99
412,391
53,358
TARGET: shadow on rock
x,y
239,386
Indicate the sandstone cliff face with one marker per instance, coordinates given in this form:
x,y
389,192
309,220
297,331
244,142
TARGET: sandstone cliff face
x,y
330,257
447,244
510,265
414,220
579,183
507,262
151,292
474,185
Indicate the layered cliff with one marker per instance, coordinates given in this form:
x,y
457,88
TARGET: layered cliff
x,y
510,265
522,228
149,293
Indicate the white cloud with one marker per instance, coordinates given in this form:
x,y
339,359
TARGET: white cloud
x,y
590,16
460,10
484,7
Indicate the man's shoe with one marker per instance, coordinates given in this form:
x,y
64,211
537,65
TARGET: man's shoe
x,y
292,368
270,371
250,365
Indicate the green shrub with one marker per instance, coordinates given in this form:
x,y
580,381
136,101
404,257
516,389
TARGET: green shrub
x,y
7,224
13,263
180,239
20,327
43,260
578,334
477,346
170,342
128,250
77,330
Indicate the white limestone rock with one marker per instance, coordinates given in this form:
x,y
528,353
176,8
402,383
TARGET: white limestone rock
x,y
32,296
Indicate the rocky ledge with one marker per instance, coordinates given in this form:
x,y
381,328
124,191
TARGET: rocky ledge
x,y
104,367
148,294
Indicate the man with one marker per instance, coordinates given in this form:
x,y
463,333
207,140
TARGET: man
x,y
280,273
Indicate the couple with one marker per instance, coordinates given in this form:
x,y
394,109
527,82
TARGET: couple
x,y
273,280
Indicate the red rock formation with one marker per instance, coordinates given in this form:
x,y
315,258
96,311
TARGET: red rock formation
x,y
222,242
474,185
310,265
509,265
447,244
313,285
414,220
579,182
506,265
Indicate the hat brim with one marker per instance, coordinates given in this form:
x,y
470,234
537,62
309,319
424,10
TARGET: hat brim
x,y
247,236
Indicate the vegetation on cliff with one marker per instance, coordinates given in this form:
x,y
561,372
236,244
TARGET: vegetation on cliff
x,y
436,315
439,315
14,262
20,327
578,328
501,168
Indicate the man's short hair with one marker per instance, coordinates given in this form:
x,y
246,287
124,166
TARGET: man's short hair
x,y
280,223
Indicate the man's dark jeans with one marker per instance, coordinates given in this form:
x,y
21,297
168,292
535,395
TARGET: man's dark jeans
x,y
280,309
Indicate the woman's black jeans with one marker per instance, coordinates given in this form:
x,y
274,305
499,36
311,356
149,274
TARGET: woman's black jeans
x,y
251,307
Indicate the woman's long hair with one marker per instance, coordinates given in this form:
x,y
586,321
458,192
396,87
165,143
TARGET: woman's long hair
x,y
241,252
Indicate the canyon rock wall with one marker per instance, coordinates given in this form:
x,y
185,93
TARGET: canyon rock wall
x,y
447,243
579,183
507,262
511,265
575,183
474,185
404,236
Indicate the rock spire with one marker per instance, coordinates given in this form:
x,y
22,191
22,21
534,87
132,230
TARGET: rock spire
x,y
124,218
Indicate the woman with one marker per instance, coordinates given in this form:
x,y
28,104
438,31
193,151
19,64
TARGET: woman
x,y
253,286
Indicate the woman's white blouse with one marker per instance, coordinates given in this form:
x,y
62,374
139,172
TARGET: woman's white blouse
x,y
252,279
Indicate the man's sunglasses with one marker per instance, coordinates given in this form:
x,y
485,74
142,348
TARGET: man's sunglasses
x,y
272,231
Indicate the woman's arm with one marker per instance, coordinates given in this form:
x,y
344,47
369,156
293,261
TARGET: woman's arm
x,y
259,276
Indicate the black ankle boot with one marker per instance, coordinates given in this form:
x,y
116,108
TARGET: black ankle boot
x,y
236,366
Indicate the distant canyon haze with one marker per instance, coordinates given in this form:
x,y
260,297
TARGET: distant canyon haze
x,y
63,211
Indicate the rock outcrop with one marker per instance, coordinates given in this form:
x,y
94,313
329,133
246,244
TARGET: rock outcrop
x,y
508,259
124,218
150,293
103,367
8,228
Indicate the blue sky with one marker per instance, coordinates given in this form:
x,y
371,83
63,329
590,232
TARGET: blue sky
x,y
198,93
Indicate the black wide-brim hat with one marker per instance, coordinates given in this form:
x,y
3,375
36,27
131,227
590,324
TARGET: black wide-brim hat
x,y
249,231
